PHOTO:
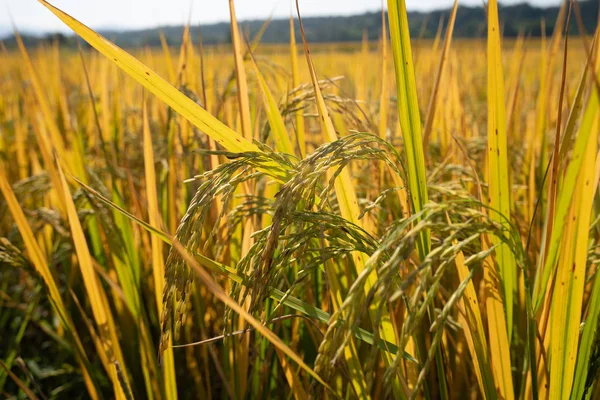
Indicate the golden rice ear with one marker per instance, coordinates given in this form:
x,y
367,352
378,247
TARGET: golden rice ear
x,y
219,293
230,273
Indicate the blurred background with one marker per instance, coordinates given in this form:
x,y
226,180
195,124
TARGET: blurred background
x,y
134,22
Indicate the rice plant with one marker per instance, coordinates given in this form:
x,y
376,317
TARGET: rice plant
x,y
407,219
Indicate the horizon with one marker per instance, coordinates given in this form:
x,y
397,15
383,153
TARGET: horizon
x,y
31,18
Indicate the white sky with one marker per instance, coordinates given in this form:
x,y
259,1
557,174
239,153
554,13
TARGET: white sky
x,y
30,15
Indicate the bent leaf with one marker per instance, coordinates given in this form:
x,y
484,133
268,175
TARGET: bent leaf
x,y
191,111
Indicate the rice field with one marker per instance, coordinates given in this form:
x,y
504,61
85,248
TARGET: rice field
x,y
397,218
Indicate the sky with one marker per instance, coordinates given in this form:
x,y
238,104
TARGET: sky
x,y
31,16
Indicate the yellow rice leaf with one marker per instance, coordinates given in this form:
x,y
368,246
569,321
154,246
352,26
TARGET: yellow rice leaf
x,y
280,135
473,327
586,345
199,117
408,112
505,276
158,267
240,71
498,345
292,377
499,181
566,192
570,285
95,292
299,114
384,98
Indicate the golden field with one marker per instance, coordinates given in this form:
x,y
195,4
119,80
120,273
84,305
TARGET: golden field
x,y
385,219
